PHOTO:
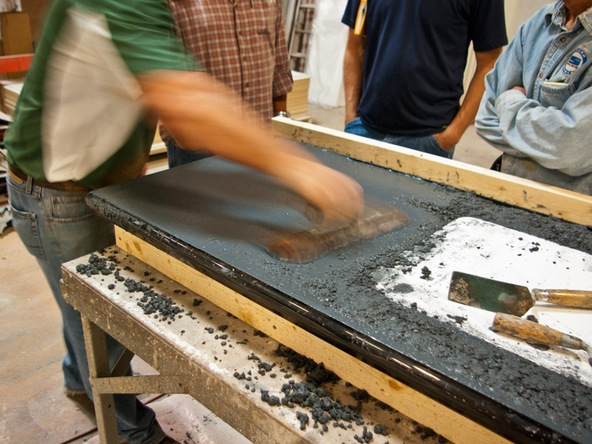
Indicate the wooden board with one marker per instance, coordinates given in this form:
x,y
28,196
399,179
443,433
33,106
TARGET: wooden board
x,y
394,393
15,29
523,193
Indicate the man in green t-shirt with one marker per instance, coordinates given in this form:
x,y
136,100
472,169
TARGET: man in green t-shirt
x,y
103,73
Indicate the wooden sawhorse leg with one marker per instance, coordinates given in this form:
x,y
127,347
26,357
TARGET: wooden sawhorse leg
x,y
98,366
105,381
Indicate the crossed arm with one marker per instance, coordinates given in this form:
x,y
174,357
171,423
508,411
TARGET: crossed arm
x,y
555,137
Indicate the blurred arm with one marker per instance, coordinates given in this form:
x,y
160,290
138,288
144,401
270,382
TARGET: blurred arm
x,y
200,111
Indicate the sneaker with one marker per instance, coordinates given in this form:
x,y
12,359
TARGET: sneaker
x,y
74,393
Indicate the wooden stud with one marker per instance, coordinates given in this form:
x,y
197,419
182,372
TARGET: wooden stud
x,y
512,190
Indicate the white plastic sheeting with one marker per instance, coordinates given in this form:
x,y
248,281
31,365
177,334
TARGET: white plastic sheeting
x,y
325,56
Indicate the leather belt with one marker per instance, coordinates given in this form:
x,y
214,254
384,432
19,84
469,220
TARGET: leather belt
x,y
21,177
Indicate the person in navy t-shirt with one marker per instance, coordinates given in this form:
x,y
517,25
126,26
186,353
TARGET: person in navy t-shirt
x,y
403,73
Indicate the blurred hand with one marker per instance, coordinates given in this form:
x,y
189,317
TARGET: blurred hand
x,y
200,111
338,198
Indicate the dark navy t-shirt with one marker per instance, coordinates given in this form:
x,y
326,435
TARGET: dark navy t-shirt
x,y
415,56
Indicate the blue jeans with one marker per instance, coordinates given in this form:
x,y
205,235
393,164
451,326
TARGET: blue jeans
x,y
178,156
425,144
56,226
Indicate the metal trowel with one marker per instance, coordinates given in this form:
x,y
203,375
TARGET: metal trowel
x,y
504,297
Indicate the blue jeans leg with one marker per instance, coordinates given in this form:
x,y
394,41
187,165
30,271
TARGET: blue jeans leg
x,y
359,129
56,226
178,156
425,144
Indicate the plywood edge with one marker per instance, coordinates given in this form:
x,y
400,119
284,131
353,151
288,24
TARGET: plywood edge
x,y
515,191
401,397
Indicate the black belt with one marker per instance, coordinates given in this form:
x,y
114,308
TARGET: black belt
x,y
21,176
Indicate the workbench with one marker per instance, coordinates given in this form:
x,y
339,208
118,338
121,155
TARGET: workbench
x,y
197,227
202,350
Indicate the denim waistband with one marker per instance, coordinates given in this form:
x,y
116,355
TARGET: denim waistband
x,y
20,177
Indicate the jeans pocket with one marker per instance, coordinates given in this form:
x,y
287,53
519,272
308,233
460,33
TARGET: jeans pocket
x,y
350,124
69,207
356,127
75,229
27,227
438,150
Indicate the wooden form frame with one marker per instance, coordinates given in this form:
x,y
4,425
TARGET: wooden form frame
x,y
515,191
180,372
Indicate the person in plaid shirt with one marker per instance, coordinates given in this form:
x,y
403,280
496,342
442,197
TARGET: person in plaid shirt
x,y
104,71
241,43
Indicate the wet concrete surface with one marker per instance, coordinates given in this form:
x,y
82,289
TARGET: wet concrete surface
x,y
218,217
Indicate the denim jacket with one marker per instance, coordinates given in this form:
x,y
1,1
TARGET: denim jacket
x,y
546,135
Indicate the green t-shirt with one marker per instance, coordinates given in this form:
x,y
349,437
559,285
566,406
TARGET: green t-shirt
x,y
78,116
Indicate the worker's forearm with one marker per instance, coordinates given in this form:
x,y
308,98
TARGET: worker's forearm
x,y
468,110
352,75
200,112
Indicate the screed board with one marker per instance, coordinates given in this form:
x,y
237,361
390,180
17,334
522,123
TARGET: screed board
x,y
216,216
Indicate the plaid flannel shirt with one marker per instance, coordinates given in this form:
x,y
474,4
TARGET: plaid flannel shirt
x,y
242,43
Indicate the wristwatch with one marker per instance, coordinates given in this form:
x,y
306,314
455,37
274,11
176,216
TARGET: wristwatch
x,y
282,114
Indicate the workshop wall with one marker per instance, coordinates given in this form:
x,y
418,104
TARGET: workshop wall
x,y
10,5
35,9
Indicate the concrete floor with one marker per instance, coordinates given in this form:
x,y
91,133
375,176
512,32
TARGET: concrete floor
x,y
33,407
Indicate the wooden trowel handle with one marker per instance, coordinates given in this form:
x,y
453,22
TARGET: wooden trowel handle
x,y
569,298
532,331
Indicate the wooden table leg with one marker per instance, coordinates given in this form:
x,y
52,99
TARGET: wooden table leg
x,y
98,365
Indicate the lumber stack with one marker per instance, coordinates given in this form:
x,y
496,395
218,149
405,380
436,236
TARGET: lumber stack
x,y
11,90
298,98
